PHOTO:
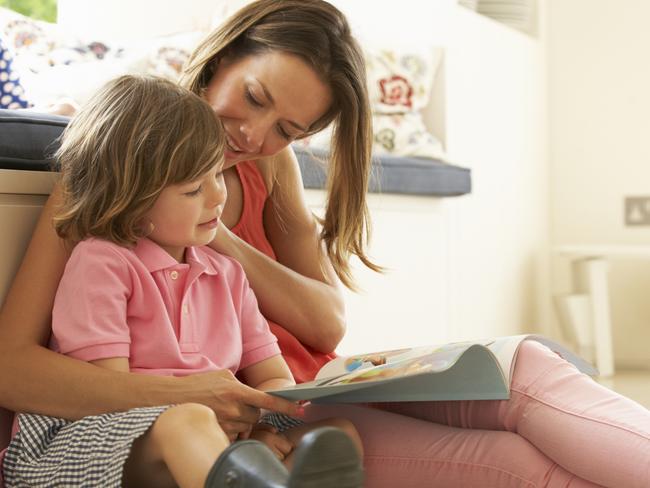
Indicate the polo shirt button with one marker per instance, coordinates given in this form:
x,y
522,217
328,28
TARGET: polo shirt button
x,y
173,275
185,309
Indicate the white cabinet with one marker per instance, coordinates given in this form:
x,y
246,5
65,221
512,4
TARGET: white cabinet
x,y
22,195
409,304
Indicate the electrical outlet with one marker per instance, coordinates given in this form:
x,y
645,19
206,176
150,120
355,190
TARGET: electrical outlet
x,y
637,211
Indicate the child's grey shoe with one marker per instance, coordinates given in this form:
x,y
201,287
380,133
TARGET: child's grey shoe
x,y
326,458
247,464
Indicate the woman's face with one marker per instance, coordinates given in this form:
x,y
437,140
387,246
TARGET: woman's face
x,y
265,101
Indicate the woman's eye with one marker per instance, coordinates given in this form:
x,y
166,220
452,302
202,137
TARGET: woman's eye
x,y
252,100
284,134
194,193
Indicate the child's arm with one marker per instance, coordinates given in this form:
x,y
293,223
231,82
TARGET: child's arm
x,y
269,374
115,364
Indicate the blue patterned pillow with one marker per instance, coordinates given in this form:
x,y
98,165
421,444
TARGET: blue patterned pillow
x,y
12,94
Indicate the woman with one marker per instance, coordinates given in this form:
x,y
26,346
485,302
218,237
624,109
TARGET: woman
x,y
280,70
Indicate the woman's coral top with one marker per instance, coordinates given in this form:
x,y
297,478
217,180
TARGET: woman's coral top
x,y
303,360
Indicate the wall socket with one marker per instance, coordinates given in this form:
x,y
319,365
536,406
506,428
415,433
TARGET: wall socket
x,y
637,211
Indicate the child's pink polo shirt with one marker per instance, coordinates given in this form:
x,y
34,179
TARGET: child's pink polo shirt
x,y
180,318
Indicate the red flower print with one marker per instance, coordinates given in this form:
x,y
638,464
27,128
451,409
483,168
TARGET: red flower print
x,y
396,90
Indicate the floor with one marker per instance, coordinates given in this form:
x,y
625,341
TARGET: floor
x,y
633,384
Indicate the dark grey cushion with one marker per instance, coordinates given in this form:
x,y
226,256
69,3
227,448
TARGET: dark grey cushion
x,y
28,139
390,174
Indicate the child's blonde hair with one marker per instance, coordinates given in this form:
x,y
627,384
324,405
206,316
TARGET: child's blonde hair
x,y
134,137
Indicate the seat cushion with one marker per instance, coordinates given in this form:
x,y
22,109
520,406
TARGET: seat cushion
x,y
29,139
391,174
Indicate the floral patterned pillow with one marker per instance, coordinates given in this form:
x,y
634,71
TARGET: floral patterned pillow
x,y
167,61
400,81
40,45
25,35
393,134
56,65
399,87
404,135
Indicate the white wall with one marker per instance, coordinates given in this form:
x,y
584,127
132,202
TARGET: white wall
x,y
599,94
124,20
496,125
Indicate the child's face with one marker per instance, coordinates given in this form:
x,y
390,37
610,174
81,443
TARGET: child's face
x,y
187,214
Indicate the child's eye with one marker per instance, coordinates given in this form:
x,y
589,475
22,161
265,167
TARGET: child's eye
x,y
194,193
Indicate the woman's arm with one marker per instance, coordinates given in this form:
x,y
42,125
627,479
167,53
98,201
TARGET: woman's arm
x,y
300,291
35,379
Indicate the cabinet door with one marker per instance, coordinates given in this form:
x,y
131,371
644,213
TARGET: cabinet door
x,y
22,195
408,305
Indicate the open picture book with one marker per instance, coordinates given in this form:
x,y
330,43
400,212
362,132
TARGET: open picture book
x,y
473,370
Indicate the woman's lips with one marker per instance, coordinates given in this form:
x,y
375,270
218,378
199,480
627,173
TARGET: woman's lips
x,y
232,146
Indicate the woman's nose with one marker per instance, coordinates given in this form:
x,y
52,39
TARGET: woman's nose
x,y
254,134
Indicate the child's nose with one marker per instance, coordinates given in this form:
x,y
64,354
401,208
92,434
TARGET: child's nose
x,y
219,192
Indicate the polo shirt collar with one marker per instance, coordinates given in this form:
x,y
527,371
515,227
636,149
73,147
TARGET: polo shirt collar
x,y
155,258
195,256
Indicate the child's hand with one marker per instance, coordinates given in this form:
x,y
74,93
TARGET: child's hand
x,y
278,443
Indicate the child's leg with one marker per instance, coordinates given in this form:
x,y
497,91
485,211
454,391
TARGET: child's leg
x,y
410,453
323,454
583,426
180,449
295,434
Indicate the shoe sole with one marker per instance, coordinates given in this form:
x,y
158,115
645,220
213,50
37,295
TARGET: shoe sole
x,y
326,458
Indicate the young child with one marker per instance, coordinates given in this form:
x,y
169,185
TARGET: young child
x,y
143,194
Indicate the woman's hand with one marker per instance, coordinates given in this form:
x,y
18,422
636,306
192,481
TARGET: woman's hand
x,y
236,405
223,240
